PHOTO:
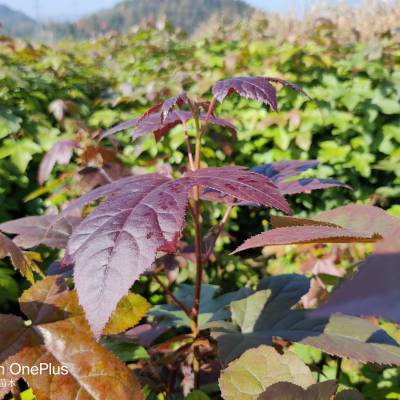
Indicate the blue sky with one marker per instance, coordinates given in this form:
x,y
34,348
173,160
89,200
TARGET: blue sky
x,y
69,9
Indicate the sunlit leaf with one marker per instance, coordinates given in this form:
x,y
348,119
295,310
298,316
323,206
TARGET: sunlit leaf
x,y
44,229
59,336
19,260
257,369
130,310
348,224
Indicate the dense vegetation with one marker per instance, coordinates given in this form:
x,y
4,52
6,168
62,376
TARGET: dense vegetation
x,y
73,91
356,87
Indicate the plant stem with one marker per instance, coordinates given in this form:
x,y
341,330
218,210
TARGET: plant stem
x,y
196,218
104,174
208,115
226,215
189,149
196,213
199,265
338,368
172,296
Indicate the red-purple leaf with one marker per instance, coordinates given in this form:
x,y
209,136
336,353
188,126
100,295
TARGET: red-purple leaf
x,y
57,268
367,219
279,172
308,185
120,127
348,224
289,391
89,178
304,234
256,88
154,124
280,221
117,187
374,290
144,334
49,230
157,107
168,105
60,153
282,170
119,240
160,126
242,185
292,86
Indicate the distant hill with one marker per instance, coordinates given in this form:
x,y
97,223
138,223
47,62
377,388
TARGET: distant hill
x,y
185,14
17,24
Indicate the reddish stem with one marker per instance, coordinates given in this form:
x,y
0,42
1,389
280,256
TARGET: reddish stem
x,y
196,218
189,148
208,115
172,296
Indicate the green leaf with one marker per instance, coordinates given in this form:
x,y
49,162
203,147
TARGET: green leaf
x,y
197,395
104,118
211,308
127,352
246,312
23,152
9,123
339,335
257,369
130,310
8,285
351,394
387,105
20,152
28,395
330,150
308,354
